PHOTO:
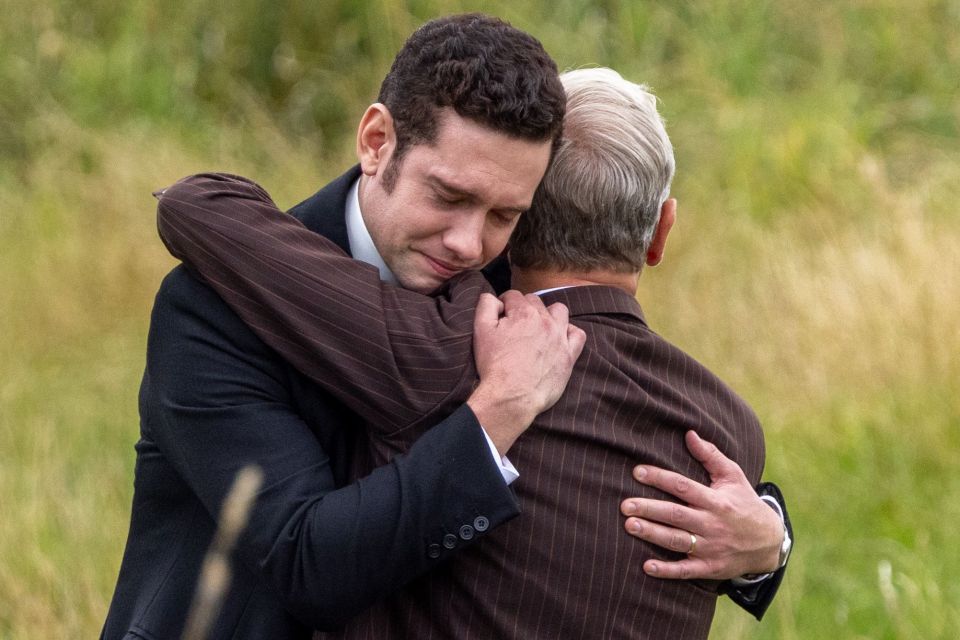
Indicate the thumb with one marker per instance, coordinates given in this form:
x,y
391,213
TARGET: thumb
x,y
720,467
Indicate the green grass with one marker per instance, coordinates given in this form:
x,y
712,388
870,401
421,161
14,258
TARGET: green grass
x,y
815,266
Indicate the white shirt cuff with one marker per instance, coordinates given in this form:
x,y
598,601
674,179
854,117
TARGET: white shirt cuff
x,y
507,470
770,500
743,581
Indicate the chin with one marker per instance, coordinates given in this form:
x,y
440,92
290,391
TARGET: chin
x,y
426,289
428,286
420,283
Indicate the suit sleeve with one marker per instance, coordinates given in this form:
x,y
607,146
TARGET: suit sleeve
x,y
756,598
215,400
395,357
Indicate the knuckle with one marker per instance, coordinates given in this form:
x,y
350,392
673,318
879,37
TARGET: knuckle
x,y
714,570
726,463
677,514
725,507
682,486
685,572
677,543
714,456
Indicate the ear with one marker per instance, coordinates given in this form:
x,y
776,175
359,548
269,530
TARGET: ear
x,y
376,138
668,215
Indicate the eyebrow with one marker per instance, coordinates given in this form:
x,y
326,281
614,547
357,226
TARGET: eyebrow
x,y
460,192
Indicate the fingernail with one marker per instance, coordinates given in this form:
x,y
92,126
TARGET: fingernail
x,y
635,527
653,569
639,473
630,508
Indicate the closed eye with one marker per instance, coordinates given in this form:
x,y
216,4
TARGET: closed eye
x,y
447,199
444,200
505,218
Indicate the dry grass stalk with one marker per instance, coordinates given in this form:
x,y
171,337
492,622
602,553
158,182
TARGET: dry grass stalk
x,y
215,576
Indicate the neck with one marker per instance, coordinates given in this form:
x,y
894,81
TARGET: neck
x,y
530,280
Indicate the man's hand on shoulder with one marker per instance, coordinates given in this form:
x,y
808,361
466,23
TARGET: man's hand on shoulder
x,y
524,358
726,529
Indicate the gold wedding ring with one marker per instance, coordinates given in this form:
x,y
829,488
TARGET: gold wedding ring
x,y
693,544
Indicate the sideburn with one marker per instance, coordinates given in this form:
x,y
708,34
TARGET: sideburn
x,y
391,172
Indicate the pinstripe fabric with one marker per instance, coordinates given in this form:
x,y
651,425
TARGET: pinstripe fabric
x,y
566,569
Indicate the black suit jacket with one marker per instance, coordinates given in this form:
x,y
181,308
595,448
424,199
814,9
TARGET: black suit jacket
x,y
214,397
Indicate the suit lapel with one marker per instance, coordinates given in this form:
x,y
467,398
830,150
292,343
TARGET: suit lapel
x,y
325,211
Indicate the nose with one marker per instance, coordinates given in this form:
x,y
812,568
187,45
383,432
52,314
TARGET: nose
x,y
464,238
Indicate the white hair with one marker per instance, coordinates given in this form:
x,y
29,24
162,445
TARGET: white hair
x,y
599,203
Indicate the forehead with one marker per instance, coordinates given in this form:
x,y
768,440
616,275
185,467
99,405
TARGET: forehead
x,y
500,169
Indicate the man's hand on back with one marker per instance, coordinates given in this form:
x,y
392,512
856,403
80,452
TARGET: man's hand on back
x,y
524,358
736,532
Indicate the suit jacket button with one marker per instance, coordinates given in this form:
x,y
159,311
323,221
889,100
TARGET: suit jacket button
x,y
466,532
481,524
449,541
433,551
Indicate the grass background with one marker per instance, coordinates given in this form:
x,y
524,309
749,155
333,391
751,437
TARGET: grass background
x,y
816,265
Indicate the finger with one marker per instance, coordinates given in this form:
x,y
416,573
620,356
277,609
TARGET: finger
x,y
719,466
488,312
536,304
511,296
559,312
679,486
513,302
686,569
576,339
668,513
667,537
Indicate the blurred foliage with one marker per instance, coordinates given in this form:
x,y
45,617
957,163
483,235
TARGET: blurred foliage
x,y
816,265
763,71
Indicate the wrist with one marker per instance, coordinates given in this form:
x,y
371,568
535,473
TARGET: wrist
x,y
778,554
786,546
503,418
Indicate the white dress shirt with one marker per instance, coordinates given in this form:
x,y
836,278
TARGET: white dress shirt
x,y
363,249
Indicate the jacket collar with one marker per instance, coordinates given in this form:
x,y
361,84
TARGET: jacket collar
x,y
596,300
323,212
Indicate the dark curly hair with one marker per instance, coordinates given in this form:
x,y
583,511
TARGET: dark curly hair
x,y
485,69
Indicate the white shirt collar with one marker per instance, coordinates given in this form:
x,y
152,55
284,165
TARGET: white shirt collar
x,y
543,291
361,244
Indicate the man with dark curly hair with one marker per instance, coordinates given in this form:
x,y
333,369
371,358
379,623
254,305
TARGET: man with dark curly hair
x,y
214,398
449,158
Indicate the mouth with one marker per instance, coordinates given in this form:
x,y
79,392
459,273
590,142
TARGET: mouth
x,y
443,269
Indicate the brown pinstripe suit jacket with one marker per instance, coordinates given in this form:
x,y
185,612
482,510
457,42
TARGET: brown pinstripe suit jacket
x,y
401,360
